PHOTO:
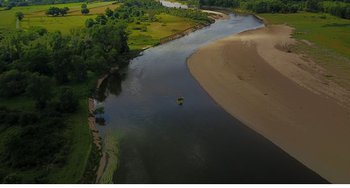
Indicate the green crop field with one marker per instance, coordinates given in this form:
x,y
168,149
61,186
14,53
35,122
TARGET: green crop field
x,y
35,16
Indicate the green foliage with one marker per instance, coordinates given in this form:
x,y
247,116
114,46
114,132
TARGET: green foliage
x,y
37,62
36,91
339,8
12,83
55,11
109,12
67,100
36,144
83,6
19,16
85,11
147,9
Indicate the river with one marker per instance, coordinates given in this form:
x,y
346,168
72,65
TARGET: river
x,y
162,142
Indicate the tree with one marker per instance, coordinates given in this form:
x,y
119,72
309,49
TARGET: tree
x,y
109,12
36,91
85,11
67,100
19,16
12,83
53,11
89,23
312,5
64,11
83,6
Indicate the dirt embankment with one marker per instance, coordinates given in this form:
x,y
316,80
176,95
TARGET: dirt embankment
x,y
288,99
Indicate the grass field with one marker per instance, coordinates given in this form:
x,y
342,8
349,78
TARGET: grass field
x,y
35,16
331,36
154,31
322,29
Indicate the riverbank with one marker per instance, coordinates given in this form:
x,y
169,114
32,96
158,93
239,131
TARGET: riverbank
x,y
282,95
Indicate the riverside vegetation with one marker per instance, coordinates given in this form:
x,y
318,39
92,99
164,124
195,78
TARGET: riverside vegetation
x,y
46,77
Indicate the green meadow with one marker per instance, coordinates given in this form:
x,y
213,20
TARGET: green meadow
x,y
322,29
330,36
35,16
145,34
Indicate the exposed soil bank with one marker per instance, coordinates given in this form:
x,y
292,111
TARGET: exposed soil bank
x,y
286,98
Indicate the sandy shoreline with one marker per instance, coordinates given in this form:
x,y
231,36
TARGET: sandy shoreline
x,y
281,95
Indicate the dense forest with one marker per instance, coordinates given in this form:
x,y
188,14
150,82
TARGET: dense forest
x,y
340,8
41,66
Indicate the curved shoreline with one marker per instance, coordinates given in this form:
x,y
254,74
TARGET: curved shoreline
x,y
285,98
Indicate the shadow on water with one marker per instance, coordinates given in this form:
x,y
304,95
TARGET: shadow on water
x,y
110,86
197,142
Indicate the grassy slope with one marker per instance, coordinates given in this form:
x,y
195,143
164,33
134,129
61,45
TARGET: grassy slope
x,y
166,26
331,36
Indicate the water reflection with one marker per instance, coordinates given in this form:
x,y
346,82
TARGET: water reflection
x,y
111,85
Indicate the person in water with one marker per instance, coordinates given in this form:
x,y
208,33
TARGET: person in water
x,y
180,101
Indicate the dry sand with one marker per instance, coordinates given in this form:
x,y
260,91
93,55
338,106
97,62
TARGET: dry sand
x,y
281,95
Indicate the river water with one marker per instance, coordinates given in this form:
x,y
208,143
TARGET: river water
x,y
162,142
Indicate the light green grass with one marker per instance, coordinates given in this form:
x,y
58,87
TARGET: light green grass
x,y
166,26
322,29
35,16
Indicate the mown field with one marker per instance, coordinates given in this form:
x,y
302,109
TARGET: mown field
x,y
35,16
330,36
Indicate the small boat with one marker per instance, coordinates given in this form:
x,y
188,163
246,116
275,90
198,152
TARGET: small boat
x,y
180,101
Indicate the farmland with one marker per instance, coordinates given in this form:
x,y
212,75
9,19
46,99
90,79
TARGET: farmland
x,y
35,16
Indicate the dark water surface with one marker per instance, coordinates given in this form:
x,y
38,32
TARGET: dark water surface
x,y
162,142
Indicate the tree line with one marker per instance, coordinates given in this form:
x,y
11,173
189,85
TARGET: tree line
x,y
145,10
339,8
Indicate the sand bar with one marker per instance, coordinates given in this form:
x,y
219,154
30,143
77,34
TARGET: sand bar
x,y
283,96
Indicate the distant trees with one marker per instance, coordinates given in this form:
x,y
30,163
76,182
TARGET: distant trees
x,y
84,10
19,16
55,11
339,8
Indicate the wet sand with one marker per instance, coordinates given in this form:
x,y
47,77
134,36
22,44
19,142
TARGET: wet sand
x,y
256,78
